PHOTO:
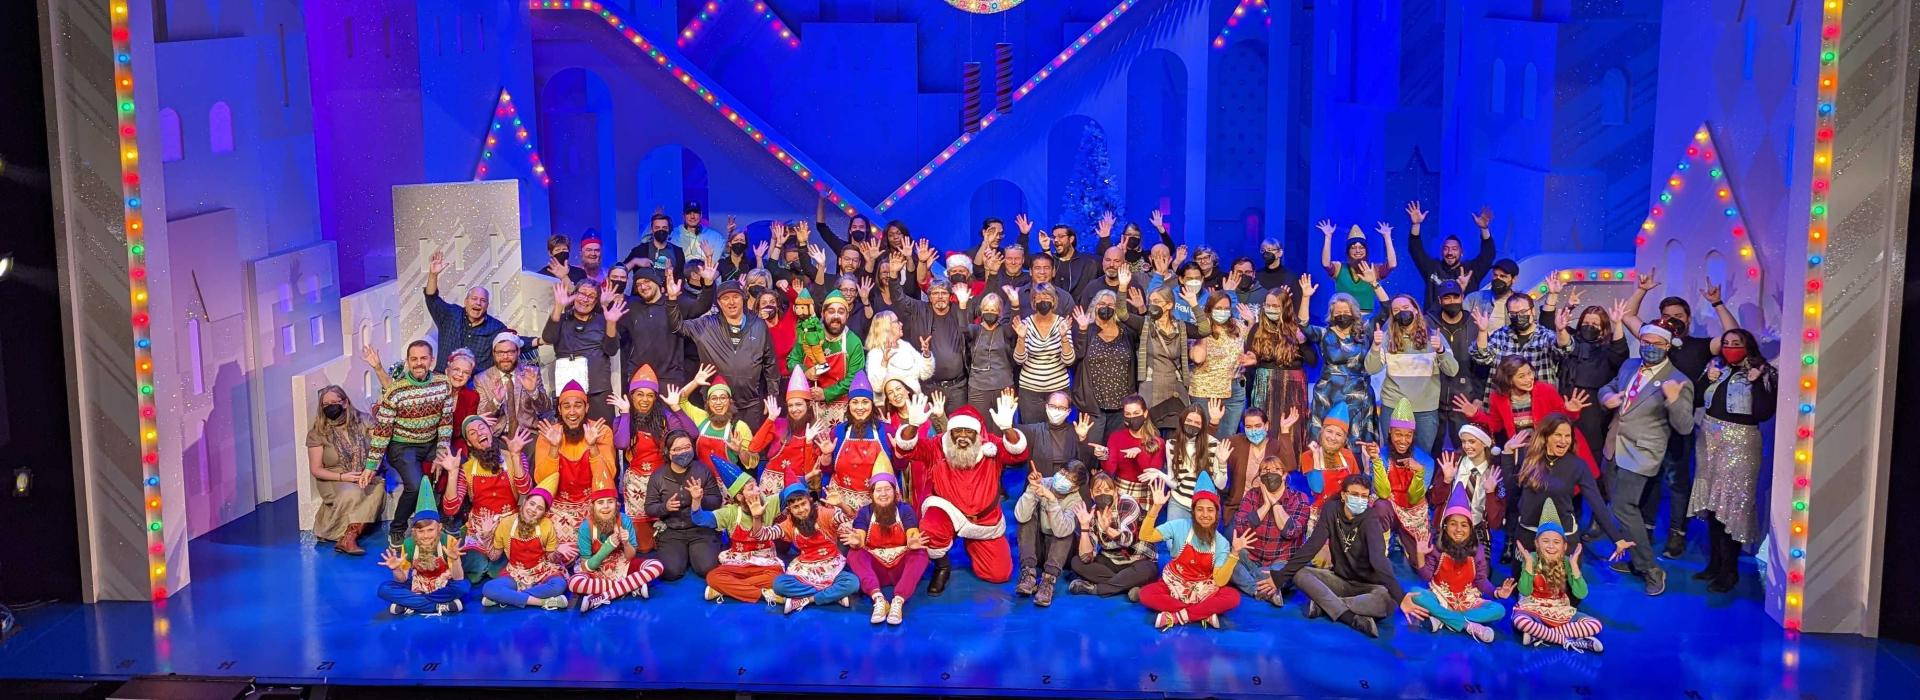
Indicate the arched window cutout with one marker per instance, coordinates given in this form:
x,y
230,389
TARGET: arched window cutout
x,y
1529,90
1497,88
1613,98
170,147
220,128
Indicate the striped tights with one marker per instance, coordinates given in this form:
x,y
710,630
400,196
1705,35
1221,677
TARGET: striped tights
x,y
639,573
1579,627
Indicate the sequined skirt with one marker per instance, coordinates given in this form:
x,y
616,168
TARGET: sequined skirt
x,y
1726,477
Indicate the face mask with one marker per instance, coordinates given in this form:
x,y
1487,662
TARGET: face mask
x,y
738,248
1520,323
661,236
755,291
334,411
1190,430
1043,307
1156,312
1733,356
1220,315
1404,318
1246,284
1191,285
1590,334
1257,435
561,256
683,458
1267,256
1273,315
1270,481
1134,422
1057,416
1060,484
1653,355
1343,321
1105,313
959,280
1501,287
1452,309
1355,504
1104,500
766,312
990,317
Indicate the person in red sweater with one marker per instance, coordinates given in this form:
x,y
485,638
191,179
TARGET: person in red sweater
x,y
1134,450
1328,461
466,401
964,468
1516,401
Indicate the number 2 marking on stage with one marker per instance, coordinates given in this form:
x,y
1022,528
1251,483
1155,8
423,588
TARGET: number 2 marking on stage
x,y
324,666
1046,680
843,674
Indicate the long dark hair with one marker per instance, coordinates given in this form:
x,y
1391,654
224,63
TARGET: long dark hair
x,y
1459,551
1177,446
1502,379
1754,358
1272,341
1533,469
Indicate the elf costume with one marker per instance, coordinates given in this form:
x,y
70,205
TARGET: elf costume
x,y
1461,597
790,455
818,574
431,586
492,494
1402,481
884,559
749,565
1326,471
1545,614
531,577
829,362
576,465
608,567
1194,584
859,453
728,440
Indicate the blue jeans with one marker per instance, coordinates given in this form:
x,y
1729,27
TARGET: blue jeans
x,y
406,461
1236,409
1456,620
846,584
401,593
1175,511
502,591
1247,575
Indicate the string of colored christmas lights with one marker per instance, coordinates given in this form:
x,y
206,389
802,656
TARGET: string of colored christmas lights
x,y
698,22
1702,152
682,70
137,282
760,10
1589,274
1027,87
1824,120
505,116
1233,20
773,22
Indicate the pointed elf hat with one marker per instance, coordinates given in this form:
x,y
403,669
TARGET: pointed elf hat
x,y
720,384
644,378
732,475
1355,234
798,387
1203,490
573,387
1337,416
426,506
861,388
1549,520
1402,415
546,487
835,297
1459,503
602,487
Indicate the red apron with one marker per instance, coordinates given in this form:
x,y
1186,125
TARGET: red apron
x,y
855,462
710,445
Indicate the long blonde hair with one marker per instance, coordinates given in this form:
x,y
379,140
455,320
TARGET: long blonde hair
x,y
882,322
348,435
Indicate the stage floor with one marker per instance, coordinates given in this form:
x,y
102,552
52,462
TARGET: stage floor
x,y
264,605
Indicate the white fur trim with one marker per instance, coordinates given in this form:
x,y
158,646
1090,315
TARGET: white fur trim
x,y
907,443
964,529
959,260
988,449
963,423
1016,444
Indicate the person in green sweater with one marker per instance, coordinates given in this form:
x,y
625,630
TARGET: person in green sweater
x,y
412,422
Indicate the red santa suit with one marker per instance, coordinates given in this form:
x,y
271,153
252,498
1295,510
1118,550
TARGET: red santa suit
x,y
965,500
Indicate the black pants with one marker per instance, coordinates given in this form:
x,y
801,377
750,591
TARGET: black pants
x,y
1033,543
955,390
1033,406
697,547
597,407
1113,579
1676,471
1723,558
407,460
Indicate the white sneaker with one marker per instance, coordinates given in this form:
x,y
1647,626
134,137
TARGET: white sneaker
x,y
897,611
441,609
558,602
847,602
1212,621
394,609
1480,632
1591,644
644,591
488,603
711,594
880,610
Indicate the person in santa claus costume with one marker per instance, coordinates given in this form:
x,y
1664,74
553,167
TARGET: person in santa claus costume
x,y
964,467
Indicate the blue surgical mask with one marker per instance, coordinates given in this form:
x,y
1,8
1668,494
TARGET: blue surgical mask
x,y
1355,504
1653,355
1257,435
1060,484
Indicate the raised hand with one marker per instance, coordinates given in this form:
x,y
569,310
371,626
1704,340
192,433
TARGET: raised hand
x,y
1084,517
1384,229
1023,223
1578,400
550,432
1243,540
1415,214
1449,464
917,410
732,226
695,490
705,373
1555,285
1082,426
1307,287
562,293
1157,220
1649,280
445,462
437,264
962,294
1435,342
1216,409
1505,590
529,381
595,429
557,269
1020,329
924,251
1134,298
1104,228
866,289
1325,226
1465,406
1482,320
1291,419
1380,339
1364,270
392,560
1712,293
1466,276
615,309
1616,314
674,392
674,285
1519,440
760,250
1483,219
1179,255
938,402
817,254
619,403
1081,318
371,357
518,440
1573,299
1003,409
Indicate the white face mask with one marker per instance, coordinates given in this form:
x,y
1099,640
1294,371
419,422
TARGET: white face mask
x,y
1191,285
1057,416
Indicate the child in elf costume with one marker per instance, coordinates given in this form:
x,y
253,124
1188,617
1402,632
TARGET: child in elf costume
x,y
1461,598
609,566
527,542
426,571
887,549
1193,587
1400,478
819,573
1550,580
749,566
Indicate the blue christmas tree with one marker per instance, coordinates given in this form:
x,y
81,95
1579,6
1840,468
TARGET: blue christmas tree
x,y
1091,191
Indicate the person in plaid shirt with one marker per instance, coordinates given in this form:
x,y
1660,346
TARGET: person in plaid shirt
x,y
1524,335
1275,509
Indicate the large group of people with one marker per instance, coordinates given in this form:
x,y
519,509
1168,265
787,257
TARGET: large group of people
x,y
795,435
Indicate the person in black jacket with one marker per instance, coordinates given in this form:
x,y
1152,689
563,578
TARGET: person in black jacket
x,y
1741,391
646,333
1451,266
674,497
1359,590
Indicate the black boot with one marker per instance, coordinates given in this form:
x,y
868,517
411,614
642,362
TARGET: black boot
x,y
942,570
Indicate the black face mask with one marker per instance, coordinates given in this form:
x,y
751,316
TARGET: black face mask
x,y
1501,286
1267,256
858,236
1134,422
959,280
1520,322
1343,321
1190,430
1105,313
1452,309
682,458
990,317
1590,334
334,411
561,257
661,236
755,291
1246,284
1043,307
738,248
618,287
1270,482
1155,312
1104,500
1404,318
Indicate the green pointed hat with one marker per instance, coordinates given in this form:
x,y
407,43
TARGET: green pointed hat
x,y
427,508
1549,520
1402,415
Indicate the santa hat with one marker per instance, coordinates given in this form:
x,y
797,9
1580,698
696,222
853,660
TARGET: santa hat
x,y
1549,520
958,259
545,489
644,378
1474,431
967,418
602,488
798,388
792,491
591,236
862,388
732,475
1355,234
883,478
1337,416
1203,490
1655,329
573,387
1402,415
719,384
1459,503
424,508
508,337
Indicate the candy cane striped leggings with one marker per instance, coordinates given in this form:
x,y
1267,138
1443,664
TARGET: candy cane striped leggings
x,y
1582,625
639,572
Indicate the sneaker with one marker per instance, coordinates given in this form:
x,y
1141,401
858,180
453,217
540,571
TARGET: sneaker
x,y
847,602
1528,640
488,603
880,610
1656,581
458,605
1624,566
1590,644
1081,586
1278,601
1043,596
711,594
1212,621
1434,624
441,609
771,597
794,605
1676,545
1027,582
558,602
1480,632
644,591
1313,610
589,602
1367,626
394,609
897,612
1163,621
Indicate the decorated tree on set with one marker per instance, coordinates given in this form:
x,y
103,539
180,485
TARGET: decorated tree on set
x,y
1091,191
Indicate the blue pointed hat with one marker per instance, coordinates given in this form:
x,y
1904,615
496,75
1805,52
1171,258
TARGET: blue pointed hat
x,y
1203,489
732,476
1337,414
